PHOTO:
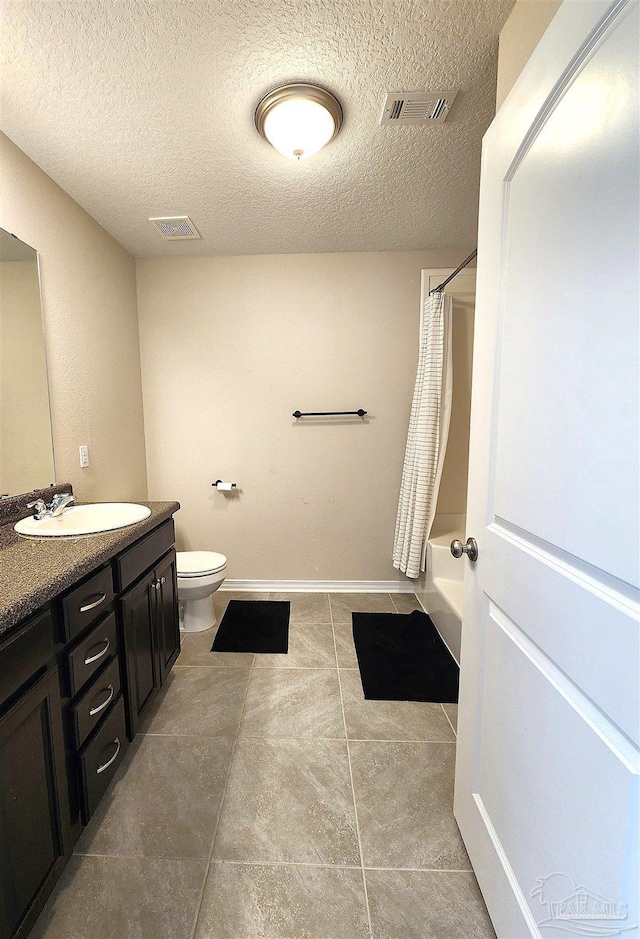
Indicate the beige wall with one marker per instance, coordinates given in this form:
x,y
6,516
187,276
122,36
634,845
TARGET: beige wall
x,y
230,348
520,35
89,309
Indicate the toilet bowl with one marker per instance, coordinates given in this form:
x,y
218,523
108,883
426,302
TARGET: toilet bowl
x,y
200,573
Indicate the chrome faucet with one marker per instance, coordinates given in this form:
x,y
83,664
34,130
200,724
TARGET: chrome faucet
x,y
60,502
55,508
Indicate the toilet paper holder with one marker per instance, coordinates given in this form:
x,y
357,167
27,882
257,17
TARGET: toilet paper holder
x,y
223,486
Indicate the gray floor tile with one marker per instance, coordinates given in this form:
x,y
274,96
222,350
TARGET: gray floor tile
x,y
404,795
451,710
310,646
127,898
288,800
343,604
390,720
427,905
199,700
294,702
164,801
303,902
196,650
306,607
405,602
345,649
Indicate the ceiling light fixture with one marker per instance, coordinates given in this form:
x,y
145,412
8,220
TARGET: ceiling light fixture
x,y
298,120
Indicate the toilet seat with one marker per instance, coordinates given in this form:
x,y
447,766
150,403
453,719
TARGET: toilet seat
x,y
199,563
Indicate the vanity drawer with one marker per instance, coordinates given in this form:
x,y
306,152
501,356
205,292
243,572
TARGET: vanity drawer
x,y
87,603
101,758
94,703
139,557
25,652
92,653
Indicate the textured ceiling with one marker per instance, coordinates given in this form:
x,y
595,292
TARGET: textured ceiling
x,y
144,108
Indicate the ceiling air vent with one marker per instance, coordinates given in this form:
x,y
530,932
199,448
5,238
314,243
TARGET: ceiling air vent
x,y
417,107
178,228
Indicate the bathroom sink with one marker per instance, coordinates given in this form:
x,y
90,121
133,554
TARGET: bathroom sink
x,y
84,520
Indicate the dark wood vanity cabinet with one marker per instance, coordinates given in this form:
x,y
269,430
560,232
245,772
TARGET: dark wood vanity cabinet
x,y
75,680
35,828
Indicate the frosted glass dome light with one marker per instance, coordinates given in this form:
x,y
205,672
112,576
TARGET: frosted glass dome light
x,y
298,120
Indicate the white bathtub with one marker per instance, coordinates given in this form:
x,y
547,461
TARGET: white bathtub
x,y
445,576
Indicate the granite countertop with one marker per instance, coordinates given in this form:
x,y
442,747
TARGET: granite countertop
x,y
35,570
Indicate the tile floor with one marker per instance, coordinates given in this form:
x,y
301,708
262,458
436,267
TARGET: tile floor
x,y
266,798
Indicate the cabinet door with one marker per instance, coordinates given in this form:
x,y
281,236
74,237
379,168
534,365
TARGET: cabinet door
x,y
167,625
35,829
138,607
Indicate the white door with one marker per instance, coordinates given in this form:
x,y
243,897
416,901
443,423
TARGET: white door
x,y
548,760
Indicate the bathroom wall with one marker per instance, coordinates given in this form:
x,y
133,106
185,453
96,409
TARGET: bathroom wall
x,y
91,328
520,35
230,348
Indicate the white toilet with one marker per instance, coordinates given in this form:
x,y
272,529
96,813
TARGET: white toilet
x,y
200,573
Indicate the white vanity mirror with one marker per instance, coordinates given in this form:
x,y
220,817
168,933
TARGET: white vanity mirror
x,y
26,447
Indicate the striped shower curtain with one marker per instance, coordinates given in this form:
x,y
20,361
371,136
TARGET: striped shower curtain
x,y
427,437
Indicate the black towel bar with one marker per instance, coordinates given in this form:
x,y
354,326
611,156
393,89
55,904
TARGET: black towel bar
x,y
360,412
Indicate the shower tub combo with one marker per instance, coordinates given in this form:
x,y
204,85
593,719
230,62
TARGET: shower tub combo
x,y
445,584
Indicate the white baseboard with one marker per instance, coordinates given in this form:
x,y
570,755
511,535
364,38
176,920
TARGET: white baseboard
x,y
320,586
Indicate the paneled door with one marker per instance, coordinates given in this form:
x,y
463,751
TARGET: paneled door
x,y
547,762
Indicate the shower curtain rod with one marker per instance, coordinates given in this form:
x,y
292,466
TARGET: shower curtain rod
x,y
457,271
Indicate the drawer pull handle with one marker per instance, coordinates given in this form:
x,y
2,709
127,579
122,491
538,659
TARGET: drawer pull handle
x,y
92,606
102,706
94,658
106,765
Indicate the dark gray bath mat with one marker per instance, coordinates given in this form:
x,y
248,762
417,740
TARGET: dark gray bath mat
x,y
402,658
254,626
